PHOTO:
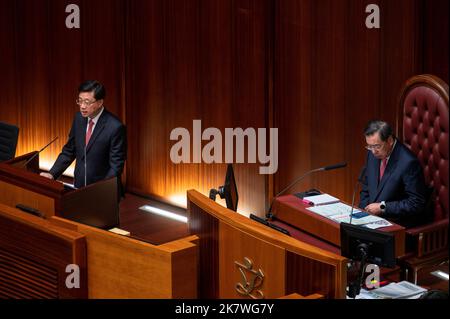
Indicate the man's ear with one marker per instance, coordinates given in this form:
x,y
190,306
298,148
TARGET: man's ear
x,y
391,140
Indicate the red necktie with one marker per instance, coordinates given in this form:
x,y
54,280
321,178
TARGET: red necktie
x,y
382,167
89,132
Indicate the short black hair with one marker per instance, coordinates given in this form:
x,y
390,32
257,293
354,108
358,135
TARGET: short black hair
x,y
382,127
93,86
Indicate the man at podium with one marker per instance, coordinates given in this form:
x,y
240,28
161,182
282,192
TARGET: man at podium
x,y
393,184
97,140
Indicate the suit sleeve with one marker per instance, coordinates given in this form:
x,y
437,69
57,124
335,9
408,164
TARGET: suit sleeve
x,y
415,190
66,157
117,152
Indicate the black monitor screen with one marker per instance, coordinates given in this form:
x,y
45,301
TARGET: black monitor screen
x,y
381,245
230,189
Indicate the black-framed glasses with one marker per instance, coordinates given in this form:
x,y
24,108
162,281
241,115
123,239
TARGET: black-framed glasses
x,y
374,147
85,102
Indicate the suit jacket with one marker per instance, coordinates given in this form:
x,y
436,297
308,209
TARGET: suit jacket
x,y
105,153
402,186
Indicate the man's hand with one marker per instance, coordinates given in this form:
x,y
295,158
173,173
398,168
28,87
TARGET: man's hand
x,y
373,209
47,175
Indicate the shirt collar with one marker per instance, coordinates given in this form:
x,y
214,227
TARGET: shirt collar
x,y
392,150
95,119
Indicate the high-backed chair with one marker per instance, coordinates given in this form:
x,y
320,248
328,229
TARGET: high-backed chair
x,y
8,141
423,126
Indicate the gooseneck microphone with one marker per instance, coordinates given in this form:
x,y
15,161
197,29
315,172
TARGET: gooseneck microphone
x,y
36,154
360,179
335,166
325,168
85,166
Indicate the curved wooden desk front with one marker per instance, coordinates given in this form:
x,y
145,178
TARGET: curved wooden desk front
x,y
232,246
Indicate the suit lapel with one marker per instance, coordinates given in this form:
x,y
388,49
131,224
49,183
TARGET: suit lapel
x,y
390,168
97,130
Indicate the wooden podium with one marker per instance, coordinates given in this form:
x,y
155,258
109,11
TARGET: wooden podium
x,y
20,183
289,209
241,258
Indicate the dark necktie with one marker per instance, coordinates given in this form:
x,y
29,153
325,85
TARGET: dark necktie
x,y
383,167
89,132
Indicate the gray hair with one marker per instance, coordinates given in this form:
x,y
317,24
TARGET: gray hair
x,y
382,127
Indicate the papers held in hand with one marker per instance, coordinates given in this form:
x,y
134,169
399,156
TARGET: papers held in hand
x,y
322,199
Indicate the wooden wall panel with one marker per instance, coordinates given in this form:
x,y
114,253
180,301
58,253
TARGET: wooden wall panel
x,y
9,111
45,63
434,41
64,76
352,74
195,60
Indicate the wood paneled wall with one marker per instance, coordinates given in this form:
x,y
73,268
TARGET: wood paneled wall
x,y
189,60
332,76
310,68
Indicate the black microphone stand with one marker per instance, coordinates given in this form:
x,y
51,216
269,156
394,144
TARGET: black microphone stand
x,y
354,288
36,154
269,214
363,170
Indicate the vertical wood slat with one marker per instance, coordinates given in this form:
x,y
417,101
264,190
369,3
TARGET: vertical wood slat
x,y
34,256
306,276
18,277
206,228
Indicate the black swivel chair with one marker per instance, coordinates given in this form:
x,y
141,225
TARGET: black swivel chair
x,y
8,141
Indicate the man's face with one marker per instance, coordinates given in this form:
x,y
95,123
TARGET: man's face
x,y
379,149
89,106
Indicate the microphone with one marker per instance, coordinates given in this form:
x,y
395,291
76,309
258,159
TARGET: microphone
x,y
360,177
335,166
85,166
36,154
325,168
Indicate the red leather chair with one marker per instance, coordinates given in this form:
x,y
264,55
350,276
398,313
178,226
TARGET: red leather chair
x,y
423,126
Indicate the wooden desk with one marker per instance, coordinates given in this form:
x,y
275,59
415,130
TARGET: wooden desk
x,y
227,240
291,210
21,184
34,255
430,281
123,267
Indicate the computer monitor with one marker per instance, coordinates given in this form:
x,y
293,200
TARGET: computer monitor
x,y
366,246
378,246
228,191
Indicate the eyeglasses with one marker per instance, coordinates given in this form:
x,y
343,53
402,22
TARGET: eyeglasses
x,y
85,102
375,147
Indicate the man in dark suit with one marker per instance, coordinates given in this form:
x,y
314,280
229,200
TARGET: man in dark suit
x,y
394,184
97,140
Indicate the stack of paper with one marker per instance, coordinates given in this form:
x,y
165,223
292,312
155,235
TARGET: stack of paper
x,y
340,213
322,199
399,290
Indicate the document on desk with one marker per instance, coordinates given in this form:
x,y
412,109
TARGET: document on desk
x,y
340,212
322,199
355,221
399,290
332,209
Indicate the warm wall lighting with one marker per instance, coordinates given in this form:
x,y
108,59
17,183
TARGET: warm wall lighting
x,y
164,213
179,200
45,165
